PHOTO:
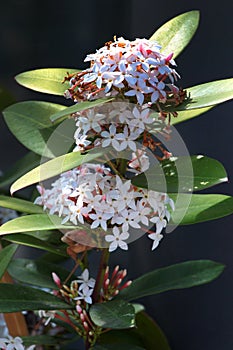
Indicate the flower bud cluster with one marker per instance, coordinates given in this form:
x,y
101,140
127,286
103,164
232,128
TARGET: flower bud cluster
x,y
113,284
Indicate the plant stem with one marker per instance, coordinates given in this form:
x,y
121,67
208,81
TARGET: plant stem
x,y
99,280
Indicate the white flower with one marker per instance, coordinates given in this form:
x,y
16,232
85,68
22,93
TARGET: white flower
x,y
48,315
11,343
85,280
126,218
100,219
117,239
160,222
110,138
85,294
156,237
126,138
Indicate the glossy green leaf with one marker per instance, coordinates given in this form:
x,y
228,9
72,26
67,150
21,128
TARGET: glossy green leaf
x,y
175,35
20,205
208,94
15,298
22,166
183,116
34,222
183,275
78,107
36,272
54,167
203,207
30,123
6,254
41,340
113,314
34,242
147,335
183,174
47,80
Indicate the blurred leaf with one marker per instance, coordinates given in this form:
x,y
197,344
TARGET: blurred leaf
x,y
116,314
183,275
138,307
175,35
30,123
78,107
14,297
47,80
6,254
54,167
208,94
36,272
6,98
20,205
41,340
183,174
34,222
150,333
203,207
34,242
147,335
22,166
116,347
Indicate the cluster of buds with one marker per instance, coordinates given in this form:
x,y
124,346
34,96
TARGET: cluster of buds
x,y
133,69
91,194
112,285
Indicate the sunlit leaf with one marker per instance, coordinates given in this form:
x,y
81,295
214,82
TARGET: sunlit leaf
x,y
22,166
113,314
78,107
47,80
54,167
183,275
203,207
183,174
19,298
175,35
20,205
34,222
183,116
30,123
6,254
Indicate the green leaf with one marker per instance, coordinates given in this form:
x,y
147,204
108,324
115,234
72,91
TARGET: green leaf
x,y
47,80
30,123
207,94
116,347
54,167
150,333
34,242
203,207
15,298
40,340
78,107
116,314
183,174
20,205
183,116
175,35
22,166
36,272
34,222
183,275
6,254
147,335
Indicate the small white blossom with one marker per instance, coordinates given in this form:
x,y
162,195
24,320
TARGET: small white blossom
x,y
156,237
11,343
117,239
85,280
85,294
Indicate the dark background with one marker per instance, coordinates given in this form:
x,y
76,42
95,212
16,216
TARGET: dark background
x,y
36,34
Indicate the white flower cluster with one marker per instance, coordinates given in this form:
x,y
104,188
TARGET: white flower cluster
x,y
131,68
92,194
11,343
